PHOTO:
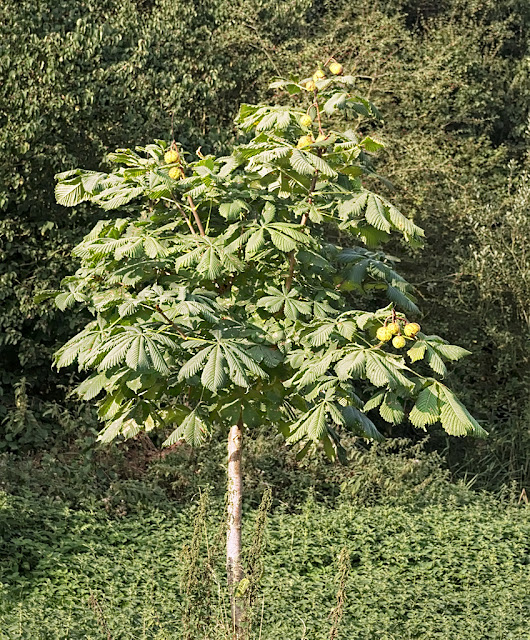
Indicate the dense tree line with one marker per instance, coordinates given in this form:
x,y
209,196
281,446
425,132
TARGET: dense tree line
x,y
451,77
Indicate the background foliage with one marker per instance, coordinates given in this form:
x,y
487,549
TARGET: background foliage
x,y
451,78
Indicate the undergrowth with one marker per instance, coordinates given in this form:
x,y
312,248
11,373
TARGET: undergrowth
x,y
398,552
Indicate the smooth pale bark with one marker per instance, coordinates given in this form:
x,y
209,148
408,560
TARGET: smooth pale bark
x,y
234,568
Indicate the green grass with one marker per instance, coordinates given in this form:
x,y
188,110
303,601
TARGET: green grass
x,y
453,570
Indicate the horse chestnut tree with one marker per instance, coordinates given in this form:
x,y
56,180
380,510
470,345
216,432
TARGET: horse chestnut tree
x,y
221,295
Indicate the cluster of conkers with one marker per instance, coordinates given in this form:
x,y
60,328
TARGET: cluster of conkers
x,y
172,156
397,331
334,67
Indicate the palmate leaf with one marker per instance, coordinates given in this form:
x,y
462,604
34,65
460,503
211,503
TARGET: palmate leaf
x,y
74,187
225,359
401,299
337,101
232,210
315,424
116,197
321,335
267,157
452,352
321,165
312,371
211,257
282,241
210,265
192,366
371,144
293,307
300,163
438,403
403,223
154,248
352,365
139,351
391,409
86,347
311,425
65,300
255,243
353,207
433,349
374,401
213,375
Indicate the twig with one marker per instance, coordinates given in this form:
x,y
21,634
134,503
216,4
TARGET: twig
x,y
169,321
100,615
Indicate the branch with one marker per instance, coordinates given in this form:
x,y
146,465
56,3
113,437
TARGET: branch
x,y
303,222
320,130
196,215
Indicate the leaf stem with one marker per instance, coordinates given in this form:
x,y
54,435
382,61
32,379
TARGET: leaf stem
x,y
188,221
169,321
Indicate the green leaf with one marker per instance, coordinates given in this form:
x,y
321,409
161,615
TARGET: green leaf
x,y
300,163
322,166
404,224
361,424
210,265
417,351
281,241
255,243
321,335
426,410
452,352
384,371
376,214
353,207
391,409
352,366
371,144
455,418
92,386
213,376
193,365
65,300
153,248
232,210
193,430
374,402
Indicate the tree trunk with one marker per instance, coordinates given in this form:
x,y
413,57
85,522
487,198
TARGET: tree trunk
x,y
234,568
